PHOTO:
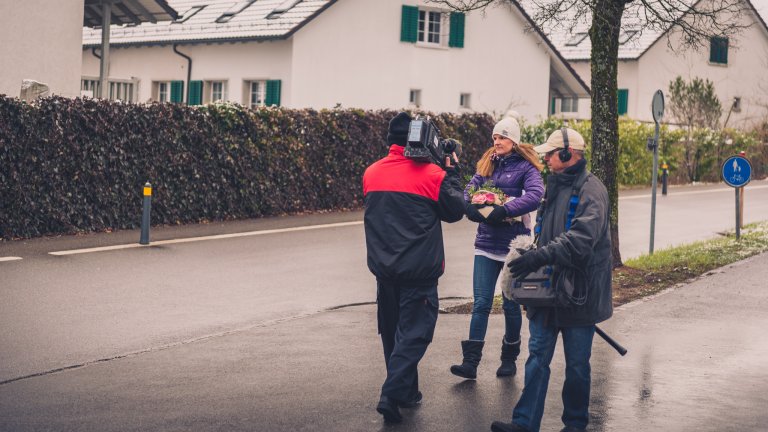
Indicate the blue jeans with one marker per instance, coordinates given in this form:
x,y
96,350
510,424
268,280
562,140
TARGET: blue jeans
x,y
577,344
484,283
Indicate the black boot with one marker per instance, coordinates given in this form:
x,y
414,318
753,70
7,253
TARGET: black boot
x,y
473,351
509,353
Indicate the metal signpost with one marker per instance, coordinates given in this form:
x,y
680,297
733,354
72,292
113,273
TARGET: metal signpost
x,y
737,172
657,110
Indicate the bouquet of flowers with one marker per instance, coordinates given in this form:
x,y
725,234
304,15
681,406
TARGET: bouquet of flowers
x,y
486,196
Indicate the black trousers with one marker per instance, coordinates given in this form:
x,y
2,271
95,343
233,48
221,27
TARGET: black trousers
x,y
407,314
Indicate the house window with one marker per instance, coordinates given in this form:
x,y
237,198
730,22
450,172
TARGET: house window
x,y
163,92
121,90
188,14
432,27
569,105
256,93
464,100
216,91
89,87
283,8
118,89
626,36
429,26
718,50
576,39
233,11
415,97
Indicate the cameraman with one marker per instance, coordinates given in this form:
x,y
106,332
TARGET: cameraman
x,y
584,246
405,200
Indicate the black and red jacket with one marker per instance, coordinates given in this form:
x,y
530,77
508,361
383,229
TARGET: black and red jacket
x,y
405,201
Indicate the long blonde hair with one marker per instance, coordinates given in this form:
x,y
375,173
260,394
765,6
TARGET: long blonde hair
x,y
485,164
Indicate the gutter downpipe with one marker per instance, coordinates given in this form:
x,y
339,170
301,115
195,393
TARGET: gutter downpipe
x,y
189,69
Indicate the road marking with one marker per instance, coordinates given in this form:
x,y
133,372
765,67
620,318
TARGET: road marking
x,y
9,259
212,237
694,192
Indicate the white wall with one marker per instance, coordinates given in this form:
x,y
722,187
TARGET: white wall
x,y
41,40
745,75
232,62
339,57
352,54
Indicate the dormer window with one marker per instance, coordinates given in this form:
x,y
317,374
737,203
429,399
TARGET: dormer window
x,y
233,11
626,36
576,39
283,8
188,14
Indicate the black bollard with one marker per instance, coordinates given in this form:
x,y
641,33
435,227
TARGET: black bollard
x,y
145,215
664,174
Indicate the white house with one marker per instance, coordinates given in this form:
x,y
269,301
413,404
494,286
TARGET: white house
x,y
368,54
42,40
738,67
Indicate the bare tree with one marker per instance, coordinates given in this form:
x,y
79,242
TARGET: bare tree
x,y
691,22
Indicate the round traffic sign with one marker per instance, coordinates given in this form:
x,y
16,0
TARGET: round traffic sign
x,y
736,171
657,106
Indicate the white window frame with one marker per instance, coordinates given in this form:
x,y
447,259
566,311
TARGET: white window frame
x,y
425,31
569,105
209,87
157,91
261,93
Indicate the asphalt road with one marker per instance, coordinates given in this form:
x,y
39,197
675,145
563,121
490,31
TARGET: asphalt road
x,y
60,311
696,363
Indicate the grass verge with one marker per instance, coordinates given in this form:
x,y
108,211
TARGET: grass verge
x,y
650,274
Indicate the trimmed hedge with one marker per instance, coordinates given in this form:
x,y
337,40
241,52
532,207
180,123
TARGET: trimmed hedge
x,y
73,165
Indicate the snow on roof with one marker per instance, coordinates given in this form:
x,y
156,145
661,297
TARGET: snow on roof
x,y
216,20
635,37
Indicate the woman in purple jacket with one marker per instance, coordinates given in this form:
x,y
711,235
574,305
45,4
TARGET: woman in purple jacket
x,y
515,169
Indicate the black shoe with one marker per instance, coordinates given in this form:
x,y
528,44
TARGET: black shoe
x,y
412,403
473,351
509,353
572,429
507,427
388,408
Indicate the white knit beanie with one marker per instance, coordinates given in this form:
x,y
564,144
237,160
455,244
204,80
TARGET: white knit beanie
x,y
508,127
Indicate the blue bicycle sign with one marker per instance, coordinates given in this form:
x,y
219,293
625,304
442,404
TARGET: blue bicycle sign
x,y
737,171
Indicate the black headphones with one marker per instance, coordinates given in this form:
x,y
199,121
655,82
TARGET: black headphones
x,y
565,154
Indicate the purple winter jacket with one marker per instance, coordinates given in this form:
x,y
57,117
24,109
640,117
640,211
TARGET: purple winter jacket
x,y
513,175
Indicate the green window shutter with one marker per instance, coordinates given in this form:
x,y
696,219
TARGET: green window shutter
x,y
456,35
195,93
623,101
177,91
273,93
718,50
552,106
409,24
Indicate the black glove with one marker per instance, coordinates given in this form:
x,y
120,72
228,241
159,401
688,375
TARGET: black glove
x,y
473,214
527,263
498,214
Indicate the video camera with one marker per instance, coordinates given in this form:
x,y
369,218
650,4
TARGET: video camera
x,y
425,145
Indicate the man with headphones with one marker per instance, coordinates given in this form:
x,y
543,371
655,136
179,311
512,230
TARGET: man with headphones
x,y
572,231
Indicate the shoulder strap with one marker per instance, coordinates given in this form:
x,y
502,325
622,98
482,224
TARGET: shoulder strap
x,y
574,202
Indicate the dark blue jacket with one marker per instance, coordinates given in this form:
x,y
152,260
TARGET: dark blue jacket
x,y
513,175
